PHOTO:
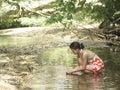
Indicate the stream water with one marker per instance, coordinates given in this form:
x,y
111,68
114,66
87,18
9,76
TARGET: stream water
x,y
51,74
52,63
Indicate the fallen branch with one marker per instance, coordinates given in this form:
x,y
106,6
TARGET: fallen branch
x,y
101,36
83,38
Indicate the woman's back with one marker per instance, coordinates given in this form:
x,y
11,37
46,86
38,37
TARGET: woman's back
x,y
89,53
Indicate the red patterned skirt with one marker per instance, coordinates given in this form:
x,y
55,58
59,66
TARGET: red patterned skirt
x,y
97,64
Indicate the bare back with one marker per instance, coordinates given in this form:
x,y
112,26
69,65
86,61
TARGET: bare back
x,y
89,53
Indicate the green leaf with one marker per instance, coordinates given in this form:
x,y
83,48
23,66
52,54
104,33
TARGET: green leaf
x,y
117,13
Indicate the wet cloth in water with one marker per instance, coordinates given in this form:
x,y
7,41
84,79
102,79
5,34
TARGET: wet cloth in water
x,y
97,64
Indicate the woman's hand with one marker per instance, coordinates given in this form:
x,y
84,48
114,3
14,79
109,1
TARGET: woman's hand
x,y
68,73
76,69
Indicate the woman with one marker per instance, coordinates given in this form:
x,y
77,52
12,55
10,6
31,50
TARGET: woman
x,y
88,62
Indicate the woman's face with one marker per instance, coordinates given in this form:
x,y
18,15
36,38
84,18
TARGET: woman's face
x,y
75,51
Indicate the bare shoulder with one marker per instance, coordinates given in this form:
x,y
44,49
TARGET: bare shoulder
x,y
88,53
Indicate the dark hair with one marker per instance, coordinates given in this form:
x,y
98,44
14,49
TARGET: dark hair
x,y
76,45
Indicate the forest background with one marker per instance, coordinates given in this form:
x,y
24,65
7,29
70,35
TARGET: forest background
x,y
67,13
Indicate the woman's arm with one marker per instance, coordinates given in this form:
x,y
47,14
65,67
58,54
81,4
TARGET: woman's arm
x,y
81,65
79,61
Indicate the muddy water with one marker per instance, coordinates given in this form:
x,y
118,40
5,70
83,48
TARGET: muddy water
x,y
34,68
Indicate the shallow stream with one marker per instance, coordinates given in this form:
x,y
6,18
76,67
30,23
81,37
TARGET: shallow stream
x,y
46,69
51,74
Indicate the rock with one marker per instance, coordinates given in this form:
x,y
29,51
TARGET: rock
x,y
6,86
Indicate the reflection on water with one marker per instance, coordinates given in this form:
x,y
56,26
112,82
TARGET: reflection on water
x,y
7,40
53,77
52,63
12,40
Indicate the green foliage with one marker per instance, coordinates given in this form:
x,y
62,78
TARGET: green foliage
x,y
117,13
98,12
55,18
4,24
64,11
68,10
109,12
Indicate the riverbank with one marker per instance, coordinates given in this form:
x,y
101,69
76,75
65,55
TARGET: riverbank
x,y
58,36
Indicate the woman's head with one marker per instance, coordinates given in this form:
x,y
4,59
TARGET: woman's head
x,y
76,46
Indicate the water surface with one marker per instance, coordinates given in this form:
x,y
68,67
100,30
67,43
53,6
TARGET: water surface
x,y
52,63
51,74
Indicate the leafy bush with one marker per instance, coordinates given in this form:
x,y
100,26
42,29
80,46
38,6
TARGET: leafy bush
x,y
107,11
4,24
